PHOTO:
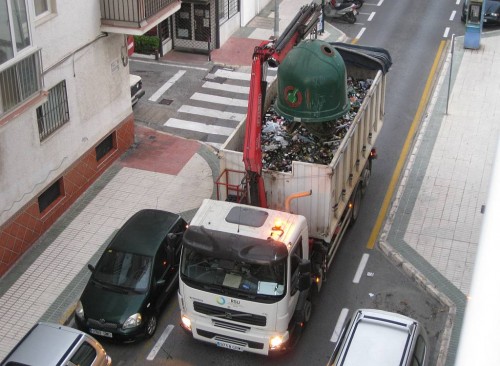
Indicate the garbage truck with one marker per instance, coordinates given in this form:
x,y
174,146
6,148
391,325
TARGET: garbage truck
x,y
253,259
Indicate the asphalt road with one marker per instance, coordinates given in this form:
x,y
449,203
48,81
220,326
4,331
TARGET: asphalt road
x,y
412,32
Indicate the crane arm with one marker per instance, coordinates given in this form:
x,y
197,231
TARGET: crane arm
x,y
273,54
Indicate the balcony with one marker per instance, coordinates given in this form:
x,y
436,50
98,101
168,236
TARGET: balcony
x,y
135,17
21,82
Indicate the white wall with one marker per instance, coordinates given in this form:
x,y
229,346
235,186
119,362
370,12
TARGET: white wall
x,y
250,8
98,97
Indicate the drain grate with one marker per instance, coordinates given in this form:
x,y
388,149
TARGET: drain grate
x,y
166,101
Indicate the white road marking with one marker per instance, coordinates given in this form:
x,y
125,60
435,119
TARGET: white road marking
x,y
339,325
458,2
380,2
360,33
168,64
446,31
371,16
198,127
167,85
228,88
361,268
238,117
159,342
238,75
219,100
453,15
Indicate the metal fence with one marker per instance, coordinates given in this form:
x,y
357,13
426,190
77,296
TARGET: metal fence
x,y
20,82
132,10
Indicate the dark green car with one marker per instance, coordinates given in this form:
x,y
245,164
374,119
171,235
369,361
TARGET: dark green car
x,y
134,277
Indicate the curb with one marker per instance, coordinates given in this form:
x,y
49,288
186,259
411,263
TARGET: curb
x,y
422,281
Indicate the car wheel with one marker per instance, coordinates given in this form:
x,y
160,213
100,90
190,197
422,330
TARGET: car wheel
x,y
151,325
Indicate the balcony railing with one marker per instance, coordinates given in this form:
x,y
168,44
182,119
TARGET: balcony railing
x,y
135,13
20,81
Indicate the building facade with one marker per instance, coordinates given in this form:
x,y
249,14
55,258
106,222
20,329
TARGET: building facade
x,y
65,107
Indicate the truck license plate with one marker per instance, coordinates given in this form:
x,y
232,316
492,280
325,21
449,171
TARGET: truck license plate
x,y
101,333
229,346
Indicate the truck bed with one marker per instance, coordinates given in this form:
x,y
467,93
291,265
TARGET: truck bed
x,y
331,185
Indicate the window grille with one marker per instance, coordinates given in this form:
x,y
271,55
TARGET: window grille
x,y
227,9
54,112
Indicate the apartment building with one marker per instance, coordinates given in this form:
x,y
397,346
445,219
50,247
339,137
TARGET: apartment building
x,y
65,109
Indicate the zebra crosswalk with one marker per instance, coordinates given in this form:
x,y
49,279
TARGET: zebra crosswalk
x,y
212,113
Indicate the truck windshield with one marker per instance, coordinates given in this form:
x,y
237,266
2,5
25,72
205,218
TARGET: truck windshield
x,y
234,275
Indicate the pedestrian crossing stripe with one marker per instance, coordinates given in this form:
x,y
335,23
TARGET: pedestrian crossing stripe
x,y
220,100
235,75
228,88
238,117
198,127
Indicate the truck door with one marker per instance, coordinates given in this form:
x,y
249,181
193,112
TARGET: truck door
x,y
296,256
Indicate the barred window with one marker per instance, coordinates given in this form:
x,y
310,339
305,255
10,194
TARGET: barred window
x,y
54,112
227,9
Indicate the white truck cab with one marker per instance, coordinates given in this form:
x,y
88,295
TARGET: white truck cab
x,y
245,277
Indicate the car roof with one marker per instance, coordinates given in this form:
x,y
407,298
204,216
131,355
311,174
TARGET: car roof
x,y
380,336
45,344
144,232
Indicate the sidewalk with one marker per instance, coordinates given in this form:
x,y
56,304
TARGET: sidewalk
x,y
433,227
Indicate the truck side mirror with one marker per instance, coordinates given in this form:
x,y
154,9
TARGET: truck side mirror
x,y
91,267
305,267
304,282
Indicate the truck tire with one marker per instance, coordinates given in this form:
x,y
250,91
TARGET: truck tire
x,y
356,204
365,179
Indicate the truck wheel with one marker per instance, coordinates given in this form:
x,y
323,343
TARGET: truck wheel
x,y
307,311
365,180
356,203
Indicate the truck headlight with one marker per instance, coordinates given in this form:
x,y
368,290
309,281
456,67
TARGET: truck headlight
x,y
186,322
79,310
277,341
133,321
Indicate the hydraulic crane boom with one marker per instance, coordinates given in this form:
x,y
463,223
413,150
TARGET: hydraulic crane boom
x,y
272,53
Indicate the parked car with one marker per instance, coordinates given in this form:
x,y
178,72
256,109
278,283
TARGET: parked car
x,y
380,338
491,12
48,344
136,90
135,275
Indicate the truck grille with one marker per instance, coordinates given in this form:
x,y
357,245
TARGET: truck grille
x,y
232,340
231,326
229,314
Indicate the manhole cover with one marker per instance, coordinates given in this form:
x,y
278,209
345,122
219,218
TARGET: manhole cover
x,y
166,101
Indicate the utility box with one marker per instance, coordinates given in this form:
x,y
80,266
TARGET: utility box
x,y
473,23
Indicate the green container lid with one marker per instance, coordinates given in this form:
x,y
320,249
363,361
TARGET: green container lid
x,y
312,83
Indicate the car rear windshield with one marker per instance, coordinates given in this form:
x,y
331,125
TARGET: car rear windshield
x,y
125,270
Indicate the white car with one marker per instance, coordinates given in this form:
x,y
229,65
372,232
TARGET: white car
x,y
136,90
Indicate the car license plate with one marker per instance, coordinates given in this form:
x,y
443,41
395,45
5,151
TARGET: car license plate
x,y
229,346
101,333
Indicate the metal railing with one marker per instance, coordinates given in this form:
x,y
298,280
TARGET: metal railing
x,y
132,11
20,82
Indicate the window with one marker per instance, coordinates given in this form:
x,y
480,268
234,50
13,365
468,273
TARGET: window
x,y
50,195
14,28
227,9
41,6
85,355
54,112
420,351
104,147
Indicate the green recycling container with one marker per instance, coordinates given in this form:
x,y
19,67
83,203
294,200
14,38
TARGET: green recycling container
x,y
312,83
